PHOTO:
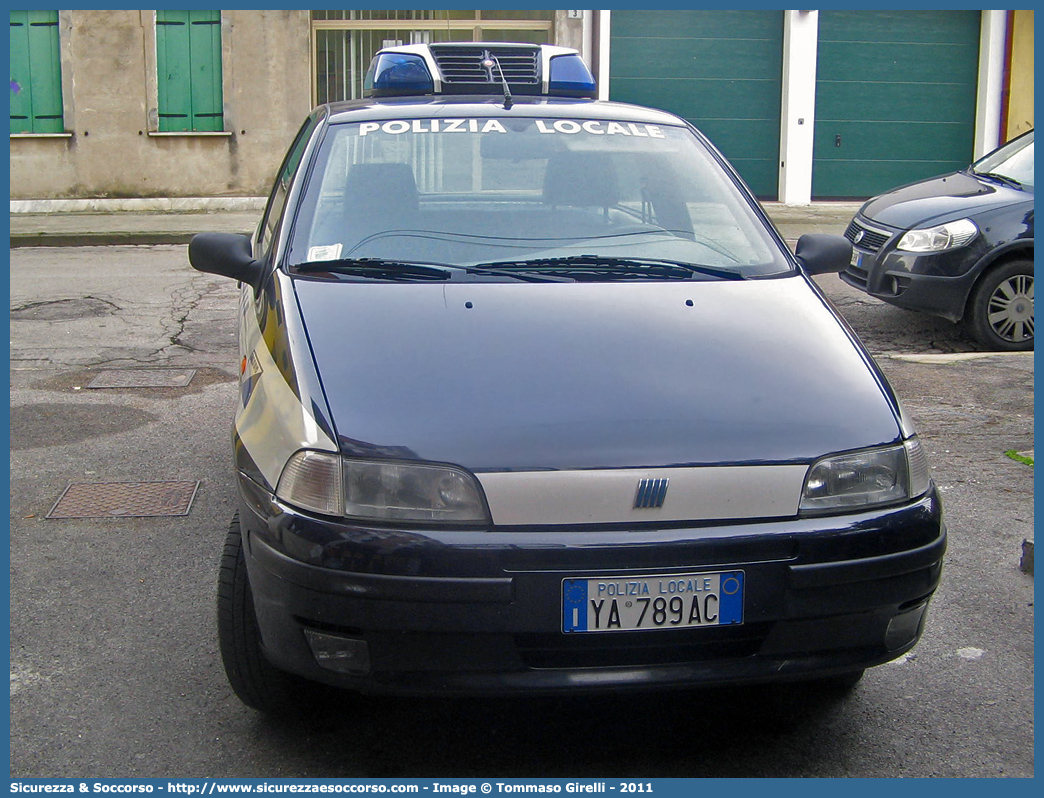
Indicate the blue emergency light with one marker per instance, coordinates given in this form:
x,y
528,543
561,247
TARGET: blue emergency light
x,y
570,77
393,74
479,68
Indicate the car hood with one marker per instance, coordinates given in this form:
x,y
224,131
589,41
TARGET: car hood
x,y
941,199
531,376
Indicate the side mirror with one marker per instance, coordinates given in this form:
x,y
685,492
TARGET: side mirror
x,y
821,253
227,254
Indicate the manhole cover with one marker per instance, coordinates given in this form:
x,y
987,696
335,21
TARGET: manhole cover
x,y
143,378
124,500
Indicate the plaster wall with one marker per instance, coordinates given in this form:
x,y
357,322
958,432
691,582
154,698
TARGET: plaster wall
x,y
569,31
1020,97
109,86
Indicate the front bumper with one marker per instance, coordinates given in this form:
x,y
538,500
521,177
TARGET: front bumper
x,y
937,283
451,612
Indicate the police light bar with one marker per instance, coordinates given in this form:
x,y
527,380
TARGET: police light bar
x,y
479,68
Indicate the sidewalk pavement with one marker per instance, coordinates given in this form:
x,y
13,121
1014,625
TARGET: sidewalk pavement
x,y
177,226
124,227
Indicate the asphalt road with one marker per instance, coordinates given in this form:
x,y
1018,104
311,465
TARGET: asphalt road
x,y
114,664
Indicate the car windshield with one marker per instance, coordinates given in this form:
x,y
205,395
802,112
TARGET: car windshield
x,y
502,192
1013,161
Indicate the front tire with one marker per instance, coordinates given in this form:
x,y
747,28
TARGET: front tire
x,y
1000,310
256,682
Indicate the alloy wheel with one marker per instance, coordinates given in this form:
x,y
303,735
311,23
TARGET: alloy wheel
x,y
1010,310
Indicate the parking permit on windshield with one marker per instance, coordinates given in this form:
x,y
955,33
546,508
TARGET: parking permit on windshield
x,y
326,252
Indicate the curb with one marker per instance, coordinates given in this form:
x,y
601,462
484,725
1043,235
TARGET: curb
x,y
102,239
808,213
140,205
1026,563
95,239
929,359
147,221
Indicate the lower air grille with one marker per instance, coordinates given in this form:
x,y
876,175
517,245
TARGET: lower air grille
x,y
636,649
853,275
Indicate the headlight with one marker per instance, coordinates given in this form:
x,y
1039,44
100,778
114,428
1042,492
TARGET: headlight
x,y
865,479
379,490
407,492
936,239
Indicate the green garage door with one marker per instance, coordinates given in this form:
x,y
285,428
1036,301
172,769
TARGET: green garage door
x,y
720,70
895,98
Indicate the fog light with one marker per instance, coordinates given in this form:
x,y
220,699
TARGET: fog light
x,y
904,629
339,654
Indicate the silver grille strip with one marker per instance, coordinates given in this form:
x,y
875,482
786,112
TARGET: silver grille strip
x,y
709,493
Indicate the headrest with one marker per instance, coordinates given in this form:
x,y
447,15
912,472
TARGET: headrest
x,y
580,179
381,187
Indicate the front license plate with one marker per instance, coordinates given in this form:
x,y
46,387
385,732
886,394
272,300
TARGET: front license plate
x,y
855,258
670,601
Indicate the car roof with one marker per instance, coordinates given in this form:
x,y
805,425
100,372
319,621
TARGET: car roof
x,y
442,106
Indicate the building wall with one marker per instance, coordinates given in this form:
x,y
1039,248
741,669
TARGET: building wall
x,y
569,30
1020,97
111,149
965,51
719,69
109,85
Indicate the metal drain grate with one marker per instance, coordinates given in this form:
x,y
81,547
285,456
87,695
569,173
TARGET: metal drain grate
x,y
143,378
124,500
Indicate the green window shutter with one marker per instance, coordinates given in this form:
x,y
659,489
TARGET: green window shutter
x,y
36,75
172,59
188,63
21,102
205,46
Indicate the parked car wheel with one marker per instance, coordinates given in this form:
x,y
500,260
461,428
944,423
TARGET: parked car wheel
x,y
254,680
1000,310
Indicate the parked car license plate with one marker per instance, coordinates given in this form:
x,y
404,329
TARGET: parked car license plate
x,y
856,257
664,601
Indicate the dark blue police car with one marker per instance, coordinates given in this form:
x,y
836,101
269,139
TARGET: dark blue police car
x,y
534,398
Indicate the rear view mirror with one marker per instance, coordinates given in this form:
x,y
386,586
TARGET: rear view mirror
x,y
226,254
821,253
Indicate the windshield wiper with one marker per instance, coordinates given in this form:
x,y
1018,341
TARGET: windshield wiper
x,y
407,271
490,270
378,269
600,267
1004,179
